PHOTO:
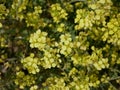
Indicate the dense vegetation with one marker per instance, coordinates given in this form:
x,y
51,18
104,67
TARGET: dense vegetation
x,y
59,44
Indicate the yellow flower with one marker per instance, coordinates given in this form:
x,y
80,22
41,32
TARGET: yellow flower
x,y
97,66
93,6
0,25
35,87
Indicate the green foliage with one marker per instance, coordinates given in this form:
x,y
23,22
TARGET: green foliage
x,y
59,44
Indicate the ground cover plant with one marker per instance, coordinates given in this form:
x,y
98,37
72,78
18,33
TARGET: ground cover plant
x,y
59,44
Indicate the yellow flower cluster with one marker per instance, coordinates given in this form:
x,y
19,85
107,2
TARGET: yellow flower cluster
x,y
57,13
111,87
61,27
35,87
50,59
78,83
81,41
55,83
65,45
84,19
101,9
97,59
33,18
2,58
84,81
83,60
38,10
79,4
3,42
38,40
93,80
24,80
101,64
102,13
31,64
18,6
105,78
81,44
3,11
118,61
68,7
113,32
97,4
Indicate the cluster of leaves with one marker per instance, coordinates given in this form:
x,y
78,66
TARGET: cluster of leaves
x,y
59,44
